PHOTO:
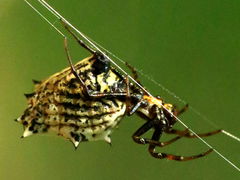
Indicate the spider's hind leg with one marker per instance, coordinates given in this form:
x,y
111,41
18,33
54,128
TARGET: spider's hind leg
x,y
154,142
156,136
158,128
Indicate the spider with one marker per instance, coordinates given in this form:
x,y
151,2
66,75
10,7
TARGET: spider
x,y
86,101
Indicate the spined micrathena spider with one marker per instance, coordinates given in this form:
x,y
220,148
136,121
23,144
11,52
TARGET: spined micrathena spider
x,y
86,101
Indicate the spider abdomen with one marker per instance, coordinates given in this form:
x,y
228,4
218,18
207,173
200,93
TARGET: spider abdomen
x,y
59,104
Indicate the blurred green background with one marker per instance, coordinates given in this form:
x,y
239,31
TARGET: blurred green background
x,y
190,47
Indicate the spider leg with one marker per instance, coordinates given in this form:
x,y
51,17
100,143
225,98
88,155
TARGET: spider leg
x,y
143,129
79,41
159,127
133,109
93,94
128,95
134,72
179,112
85,90
156,136
188,134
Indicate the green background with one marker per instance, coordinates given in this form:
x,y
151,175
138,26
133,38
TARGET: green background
x,y
190,47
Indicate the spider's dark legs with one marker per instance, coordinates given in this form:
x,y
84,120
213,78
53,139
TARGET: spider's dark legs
x,y
147,126
72,67
142,130
128,95
134,72
96,54
79,41
159,125
179,112
156,136
154,142
132,108
186,132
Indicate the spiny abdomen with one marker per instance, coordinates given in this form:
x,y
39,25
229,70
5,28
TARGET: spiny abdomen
x,y
58,104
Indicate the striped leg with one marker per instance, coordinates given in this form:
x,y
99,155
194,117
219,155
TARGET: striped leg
x,y
143,129
156,136
73,68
